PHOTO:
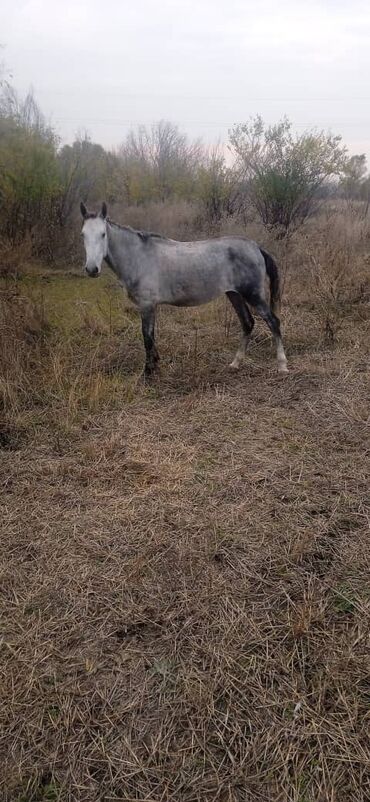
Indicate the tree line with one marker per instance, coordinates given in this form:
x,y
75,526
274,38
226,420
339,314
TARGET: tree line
x,y
280,176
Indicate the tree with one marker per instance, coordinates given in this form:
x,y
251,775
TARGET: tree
x,y
5,74
283,172
216,186
28,172
85,170
25,113
353,179
158,163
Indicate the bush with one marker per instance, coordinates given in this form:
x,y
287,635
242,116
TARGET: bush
x,y
28,171
283,173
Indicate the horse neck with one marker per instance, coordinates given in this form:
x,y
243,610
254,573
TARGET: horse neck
x,y
122,248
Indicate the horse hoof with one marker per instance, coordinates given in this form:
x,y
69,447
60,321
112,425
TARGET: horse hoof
x,y
234,365
150,373
283,370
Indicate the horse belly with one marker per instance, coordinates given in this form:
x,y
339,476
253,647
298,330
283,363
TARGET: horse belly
x,y
194,286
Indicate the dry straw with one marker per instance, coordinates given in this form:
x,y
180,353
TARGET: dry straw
x,y
184,567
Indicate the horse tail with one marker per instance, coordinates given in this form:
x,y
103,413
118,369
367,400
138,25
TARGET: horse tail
x,y
273,274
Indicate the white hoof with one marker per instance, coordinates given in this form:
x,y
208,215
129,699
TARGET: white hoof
x,y
283,369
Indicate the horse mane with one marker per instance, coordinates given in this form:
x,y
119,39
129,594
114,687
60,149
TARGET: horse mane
x,y
145,236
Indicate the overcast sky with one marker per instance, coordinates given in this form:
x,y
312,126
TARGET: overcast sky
x,y
107,65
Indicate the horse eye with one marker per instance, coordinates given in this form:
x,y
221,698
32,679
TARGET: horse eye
x,y
103,235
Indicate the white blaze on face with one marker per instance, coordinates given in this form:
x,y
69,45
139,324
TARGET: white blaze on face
x,y
94,232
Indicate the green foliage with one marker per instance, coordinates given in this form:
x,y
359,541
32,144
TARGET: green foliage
x,y
86,172
158,163
343,599
28,171
215,187
354,185
283,172
41,184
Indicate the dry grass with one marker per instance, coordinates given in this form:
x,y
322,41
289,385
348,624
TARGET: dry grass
x,y
184,566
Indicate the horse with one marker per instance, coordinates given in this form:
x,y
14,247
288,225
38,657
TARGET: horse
x,y
157,270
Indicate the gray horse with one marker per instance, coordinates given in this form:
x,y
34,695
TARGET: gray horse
x,y
156,270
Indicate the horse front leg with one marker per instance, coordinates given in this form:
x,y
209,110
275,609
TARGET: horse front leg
x,y
148,326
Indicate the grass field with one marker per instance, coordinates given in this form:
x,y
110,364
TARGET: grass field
x,y
185,586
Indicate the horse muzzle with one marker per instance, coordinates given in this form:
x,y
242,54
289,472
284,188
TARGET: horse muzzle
x,y
93,272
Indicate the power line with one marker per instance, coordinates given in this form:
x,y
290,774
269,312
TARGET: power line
x,y
213,123
245,98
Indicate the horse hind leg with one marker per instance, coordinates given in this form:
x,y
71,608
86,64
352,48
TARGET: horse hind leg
x,y
263,310
246,322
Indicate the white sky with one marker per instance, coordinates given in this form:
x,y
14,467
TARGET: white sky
x,y
106,65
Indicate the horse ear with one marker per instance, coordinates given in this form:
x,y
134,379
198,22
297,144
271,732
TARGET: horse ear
x,y
83,210
103,212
